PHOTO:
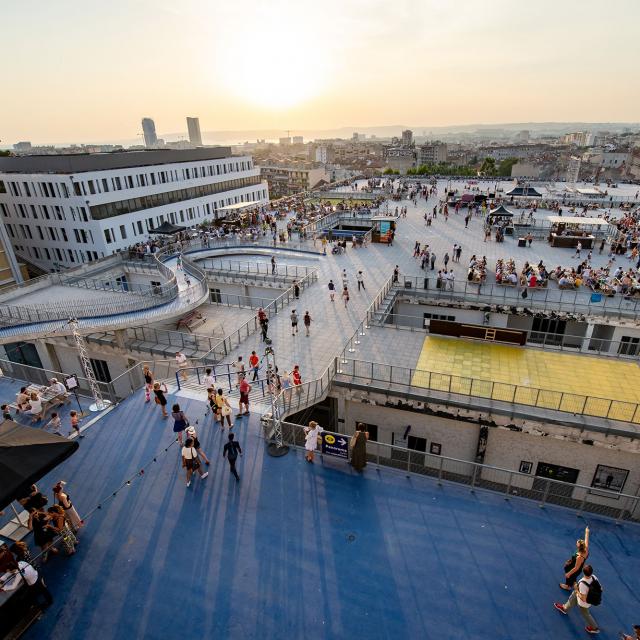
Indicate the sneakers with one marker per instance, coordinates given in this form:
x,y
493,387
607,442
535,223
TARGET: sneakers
x,y
560,608
189,483
205,474
592,630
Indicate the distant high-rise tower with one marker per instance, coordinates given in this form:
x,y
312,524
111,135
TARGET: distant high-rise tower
x,y
149,130
573,170
407,138
195,137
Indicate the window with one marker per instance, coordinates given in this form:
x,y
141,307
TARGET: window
x,y
76,188
140,231
77,234
105,185
92,188
123,232
100,370
629,346
215,296
130,182
435,316
547,330
107,236
64,234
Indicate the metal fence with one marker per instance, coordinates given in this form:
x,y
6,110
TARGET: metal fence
x,y
253,268
584,500
420,379
539,298
236,300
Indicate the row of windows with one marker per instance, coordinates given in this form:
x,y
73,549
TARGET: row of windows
x,y
55,234
59,255
111,209
44,212
187,216
131,181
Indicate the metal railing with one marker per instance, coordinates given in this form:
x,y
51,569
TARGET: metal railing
x,y
420,379
224,376
236,300
580,498
260,268
542,298
38,375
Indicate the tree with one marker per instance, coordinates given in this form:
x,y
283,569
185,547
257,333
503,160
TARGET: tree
x,y
504,168
488,167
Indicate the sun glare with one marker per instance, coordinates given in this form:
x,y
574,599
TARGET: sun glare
x,y
275,72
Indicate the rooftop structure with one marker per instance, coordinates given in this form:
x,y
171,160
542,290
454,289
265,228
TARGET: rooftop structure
x,y
149,131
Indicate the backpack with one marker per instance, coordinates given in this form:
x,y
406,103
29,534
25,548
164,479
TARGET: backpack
x,y
594,595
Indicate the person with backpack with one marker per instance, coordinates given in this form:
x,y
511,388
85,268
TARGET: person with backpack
x,y
587,593
573,566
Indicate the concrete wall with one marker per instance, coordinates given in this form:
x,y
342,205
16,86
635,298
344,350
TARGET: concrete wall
x,y
506,449
412,314
458,439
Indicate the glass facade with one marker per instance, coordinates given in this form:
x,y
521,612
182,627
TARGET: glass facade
x,y
111,209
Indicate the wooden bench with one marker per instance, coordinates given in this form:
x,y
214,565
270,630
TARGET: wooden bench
x,y
191,320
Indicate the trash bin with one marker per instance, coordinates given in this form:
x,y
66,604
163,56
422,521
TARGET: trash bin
x,y
522,242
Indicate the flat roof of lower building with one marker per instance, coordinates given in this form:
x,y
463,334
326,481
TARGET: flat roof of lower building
x,y
81,162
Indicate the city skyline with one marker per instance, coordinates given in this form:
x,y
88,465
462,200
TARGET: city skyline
x,y
304,67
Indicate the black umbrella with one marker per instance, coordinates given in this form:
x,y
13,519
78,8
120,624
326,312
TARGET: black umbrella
x,y
26,455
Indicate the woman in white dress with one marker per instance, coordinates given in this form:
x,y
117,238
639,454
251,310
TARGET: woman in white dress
x,y
311,439
35,407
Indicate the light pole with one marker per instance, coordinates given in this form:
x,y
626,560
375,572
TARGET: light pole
x,y
276,447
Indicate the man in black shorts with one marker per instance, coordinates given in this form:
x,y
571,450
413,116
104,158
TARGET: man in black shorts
x,y
230,452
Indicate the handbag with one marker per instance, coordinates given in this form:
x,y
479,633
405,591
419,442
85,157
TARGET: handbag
x,y
195,462
354,439
226,410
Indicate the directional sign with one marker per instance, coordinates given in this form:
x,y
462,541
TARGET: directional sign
x,y
334,444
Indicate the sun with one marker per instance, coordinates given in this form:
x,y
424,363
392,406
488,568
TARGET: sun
x,y
278,72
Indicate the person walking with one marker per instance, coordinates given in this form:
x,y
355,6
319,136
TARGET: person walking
x,y
602,244
273,265
209,379
238,367
573,566
245,390
396,273
297,376
180,421
264,329
446,260
182,362
451,279
360,279
193,434
160,398
64,500
458,253
307,322
578,250
58,521
254,363
296,289
311,434
191,461
294,323
358,447
345,296
223,409
587,593
432,260
332,290
635,636
230,452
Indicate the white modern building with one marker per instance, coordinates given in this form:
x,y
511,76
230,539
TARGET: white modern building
x,y
61,211
149,131
195,137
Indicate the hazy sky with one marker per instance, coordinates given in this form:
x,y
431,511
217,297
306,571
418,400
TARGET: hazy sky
x,y
88,71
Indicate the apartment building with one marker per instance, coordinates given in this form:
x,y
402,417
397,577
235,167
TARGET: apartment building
x,y
433,153
61,211
284,181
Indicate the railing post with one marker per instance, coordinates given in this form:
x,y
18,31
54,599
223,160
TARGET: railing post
x,y
440,470
473,477
508,493
546,494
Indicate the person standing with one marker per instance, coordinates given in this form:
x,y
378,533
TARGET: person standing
x,y
264,329
307,322
578,250
17,572
360,279
451,279
358,446
635,636
64,500
254,363
238,367
209,379
332,290
273,263
446,260
297,376
182,362
458,253
230,452
190,461
245,389
55,424
432,260
296,289
573,566
396,273
148,383
311,434
294,323
586,593
160,398
180,422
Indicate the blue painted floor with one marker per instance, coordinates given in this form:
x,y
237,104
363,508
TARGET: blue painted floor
x,y
309,551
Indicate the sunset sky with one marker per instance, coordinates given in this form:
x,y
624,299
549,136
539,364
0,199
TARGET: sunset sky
x,y
88,71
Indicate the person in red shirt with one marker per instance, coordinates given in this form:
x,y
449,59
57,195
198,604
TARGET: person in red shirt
x,y
245,389
254,361
297,377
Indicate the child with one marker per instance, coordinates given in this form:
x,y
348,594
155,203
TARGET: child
x,y
74,423
5,412
55,423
